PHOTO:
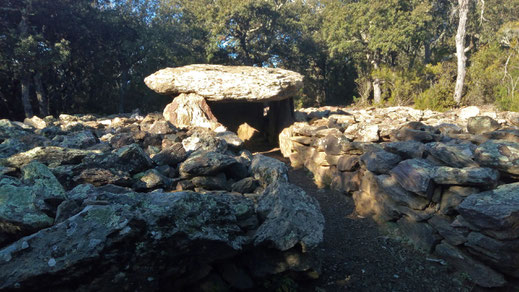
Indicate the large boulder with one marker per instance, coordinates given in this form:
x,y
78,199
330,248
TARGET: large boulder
x,y
190,110
217,82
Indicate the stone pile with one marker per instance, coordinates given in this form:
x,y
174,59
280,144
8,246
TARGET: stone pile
x,y
217,97
135,203
449,182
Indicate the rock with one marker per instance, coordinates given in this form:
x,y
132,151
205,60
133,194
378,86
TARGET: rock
x,y
11,147
268,170
101,176
478,273
48,191
508,134
160,127
502,255
363,133
481,124
347,182
19,212
348,163
151,179
185,185
290,217
389,186
246,185
218,182
120,234
380,161
205,163
204,140
422,235
455,155
414,175
496,210
370,201
453,196
406,149
172,155
468,112
469,176
190,110
235,276
79,140
35,122
50,155
414,131
501,155
246,132
133,159
217,83
231,139
444,228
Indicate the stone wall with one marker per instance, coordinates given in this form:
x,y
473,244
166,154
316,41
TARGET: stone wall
x,y
447,181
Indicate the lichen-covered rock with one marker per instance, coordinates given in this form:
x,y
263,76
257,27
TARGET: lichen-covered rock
x,y
51,155
217,82
468,176
501,155
455,155
481,124
205,163
268,170
133,158
290,217
497,209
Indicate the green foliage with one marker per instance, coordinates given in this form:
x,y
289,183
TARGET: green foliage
x,y
400,87
439,95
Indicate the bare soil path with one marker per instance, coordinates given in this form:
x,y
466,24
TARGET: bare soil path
x,y
358,256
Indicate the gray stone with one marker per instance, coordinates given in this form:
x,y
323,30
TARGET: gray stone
x,y
347,182
205,163
501,155
49,192
478,273
290,217
453,196
133,158
246,185
481,124
380,162
444,228
454,155
348,163
217,82
469,176
406,149
79,140
201,139
151,179
218,182
268,170
502,255
51,155
190,110
231,139
12,146
172,155
497,209
414,175
389,185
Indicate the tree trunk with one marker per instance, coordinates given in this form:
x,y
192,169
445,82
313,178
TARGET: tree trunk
x,y
123,88
460,49
377,91
43,101
26,102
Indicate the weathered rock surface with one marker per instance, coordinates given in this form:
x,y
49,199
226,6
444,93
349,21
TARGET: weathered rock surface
x,y
217,83
414,175
190,110
501,155
497,209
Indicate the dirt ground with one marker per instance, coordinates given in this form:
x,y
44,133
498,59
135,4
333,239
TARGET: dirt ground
x,y
358,256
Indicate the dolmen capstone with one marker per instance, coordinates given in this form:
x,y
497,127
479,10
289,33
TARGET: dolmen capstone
x,y
245,99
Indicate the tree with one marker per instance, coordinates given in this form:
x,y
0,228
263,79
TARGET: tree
x,y
463,7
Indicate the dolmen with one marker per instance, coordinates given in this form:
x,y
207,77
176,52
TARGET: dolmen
x,y
247,100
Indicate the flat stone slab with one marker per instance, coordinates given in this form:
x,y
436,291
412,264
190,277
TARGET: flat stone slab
x,y
227,83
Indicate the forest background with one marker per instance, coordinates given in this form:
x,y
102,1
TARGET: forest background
x,y
91,56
